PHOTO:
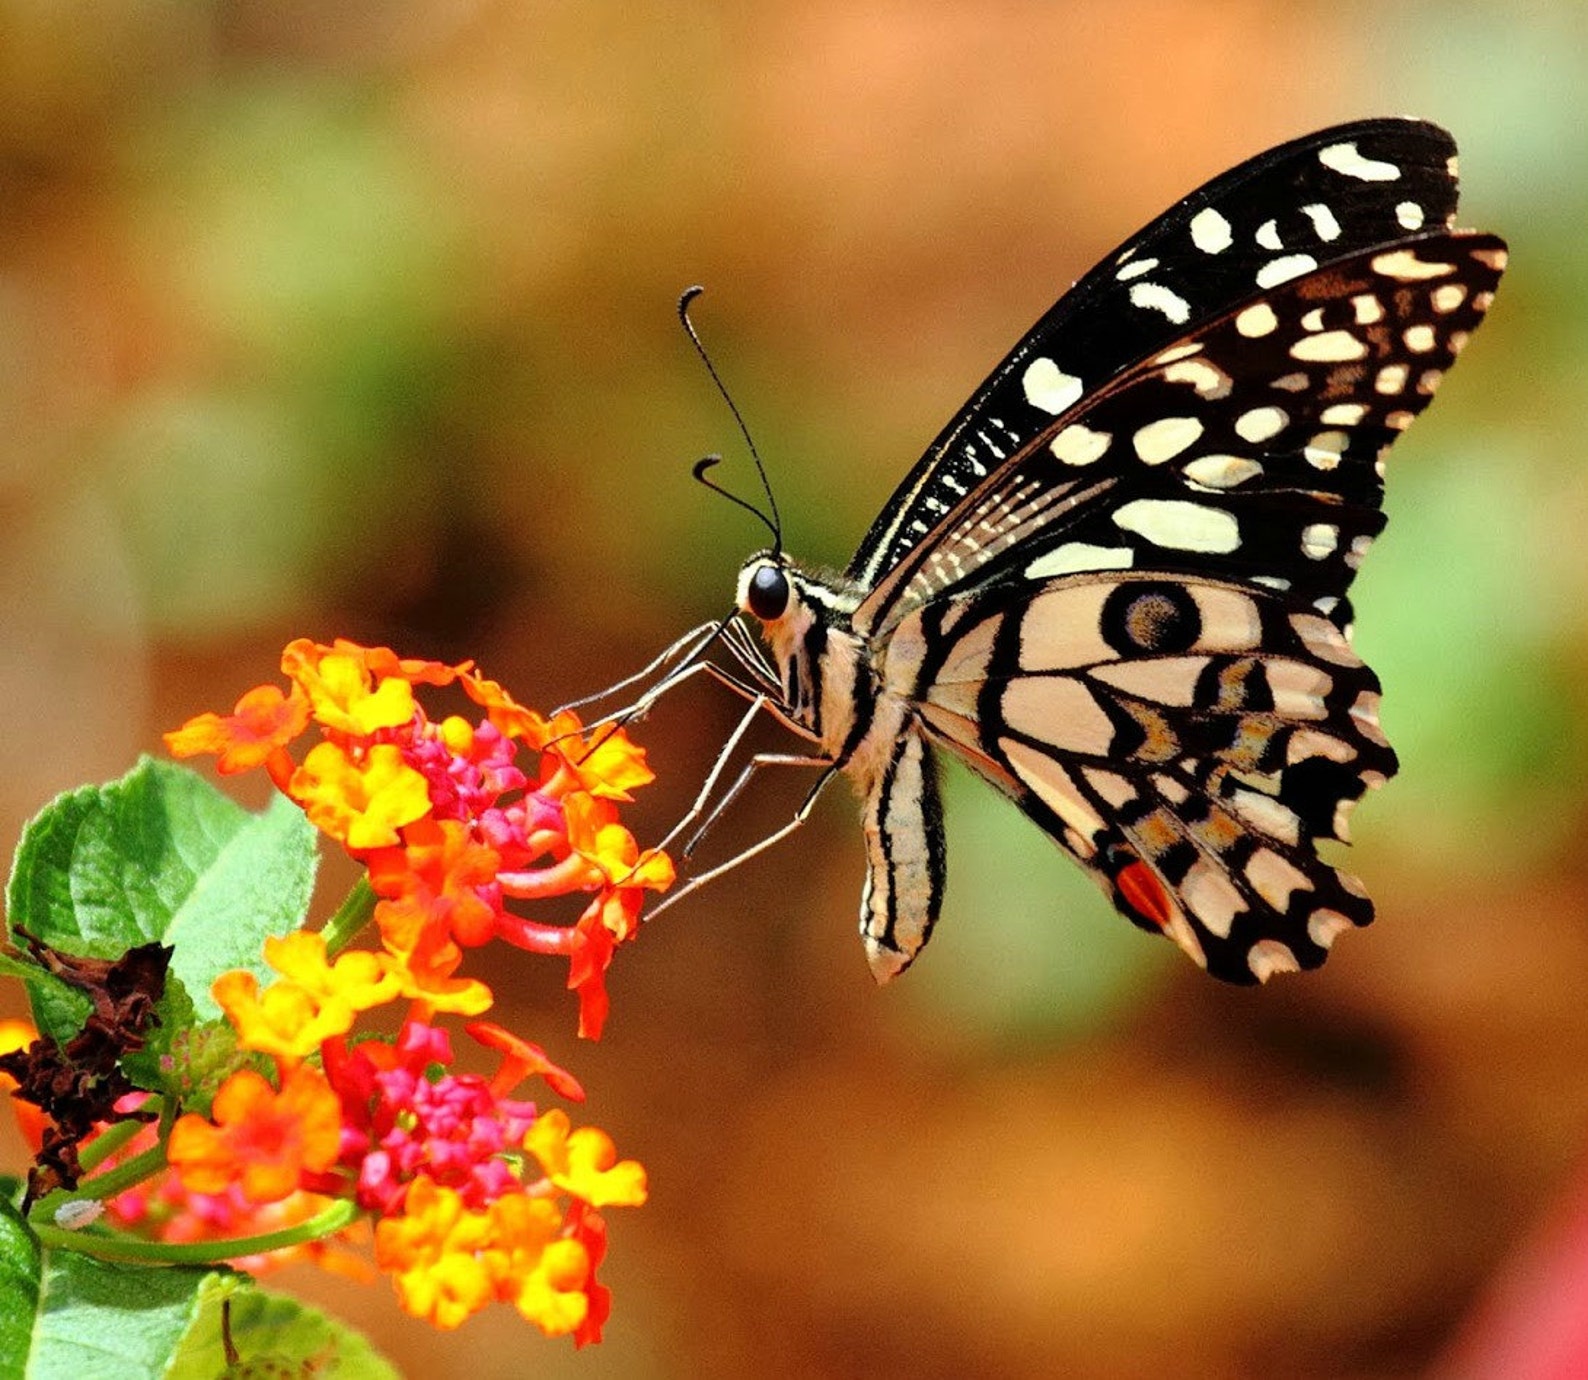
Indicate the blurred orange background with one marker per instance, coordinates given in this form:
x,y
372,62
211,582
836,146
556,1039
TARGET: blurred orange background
x,y
358,320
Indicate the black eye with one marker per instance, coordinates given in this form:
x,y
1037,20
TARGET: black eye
x,y
768,593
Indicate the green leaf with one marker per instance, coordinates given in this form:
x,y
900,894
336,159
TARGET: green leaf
x,y
274,1335
64,1316
20,1268
67,1316
159,855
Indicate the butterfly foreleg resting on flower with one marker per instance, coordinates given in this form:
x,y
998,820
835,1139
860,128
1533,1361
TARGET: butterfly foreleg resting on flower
x,y
771,840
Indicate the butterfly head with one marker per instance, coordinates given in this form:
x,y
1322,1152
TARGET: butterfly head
x,y
765,589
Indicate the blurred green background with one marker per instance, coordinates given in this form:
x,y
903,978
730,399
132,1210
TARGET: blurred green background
x,y
358,319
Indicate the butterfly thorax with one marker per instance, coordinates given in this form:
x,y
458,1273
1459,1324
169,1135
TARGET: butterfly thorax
x,y
830,686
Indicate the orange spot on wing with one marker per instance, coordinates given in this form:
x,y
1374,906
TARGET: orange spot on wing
x,y
1144,893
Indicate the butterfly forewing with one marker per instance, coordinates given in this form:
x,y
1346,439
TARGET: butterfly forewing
x,y
1249,448
1319,198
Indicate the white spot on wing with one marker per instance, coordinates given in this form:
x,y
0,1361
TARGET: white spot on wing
x,y
1319,539
1284,268
1268,956
1344,158
1080,445
1210,231
1368,309
1391,378
1410,215
1324,225
1156,297
1268,236
1324,926
1257,320
1212,898
1323,451
1203,375
1049,388
1343,414
1275,878
1136,269
1404,266
1080,555
1180,524
1165,438
1221,471
1328,347
1261,423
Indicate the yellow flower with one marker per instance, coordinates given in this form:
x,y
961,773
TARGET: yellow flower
x,y
360,803
585,1162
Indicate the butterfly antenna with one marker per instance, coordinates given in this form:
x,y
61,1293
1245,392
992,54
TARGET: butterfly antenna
x,y
775,522
708,462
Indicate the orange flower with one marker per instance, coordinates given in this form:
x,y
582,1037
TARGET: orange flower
x,y
424,967
552,1294
30,1119
520,1059
542,1273
358,979
283,1020
595,834
315,1002
434,1254
262,1140
264,721
585,1162
360,803
346,695
609,766
504,711
441,872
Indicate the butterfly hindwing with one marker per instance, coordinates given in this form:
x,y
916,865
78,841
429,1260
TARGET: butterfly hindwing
x,y
1316,199
1187,740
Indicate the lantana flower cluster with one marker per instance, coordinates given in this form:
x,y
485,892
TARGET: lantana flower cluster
x,y
323,1124
445,815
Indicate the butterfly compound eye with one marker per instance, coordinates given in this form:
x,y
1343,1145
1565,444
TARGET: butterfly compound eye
x,y
768,593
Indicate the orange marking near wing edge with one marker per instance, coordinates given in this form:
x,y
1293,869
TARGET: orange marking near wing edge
x,y
1144,893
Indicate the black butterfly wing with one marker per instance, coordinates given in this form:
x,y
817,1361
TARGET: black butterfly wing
x,y
1249,449
1320,198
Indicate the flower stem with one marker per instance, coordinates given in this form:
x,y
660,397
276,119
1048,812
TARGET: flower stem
x,y
123,1176
107,1142
351,916
119,1247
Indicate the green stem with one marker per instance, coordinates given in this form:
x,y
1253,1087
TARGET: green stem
x,y
132,1248
351,916
102,1186
123,1176
106,1143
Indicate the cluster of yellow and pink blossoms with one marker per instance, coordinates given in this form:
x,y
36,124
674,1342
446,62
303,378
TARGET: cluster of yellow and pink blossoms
x,y
474,1196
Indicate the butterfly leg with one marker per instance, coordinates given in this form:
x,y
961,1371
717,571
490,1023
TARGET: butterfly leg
x,y
756,849
697,636
757,706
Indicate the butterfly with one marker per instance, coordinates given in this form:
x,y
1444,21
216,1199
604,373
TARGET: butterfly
x,y
1115,585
